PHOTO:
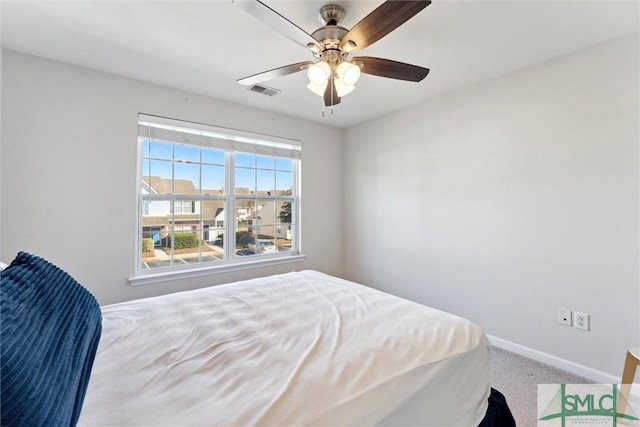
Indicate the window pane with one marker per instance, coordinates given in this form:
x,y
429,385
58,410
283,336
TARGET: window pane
x,y
145,167
284,225
266,162
145,147
285,214
212,180
243,253
283,238
284,164
245,181
266,180
186,207
185,243
265,230
187,178
190,248
215,157
147,246
244,219
267,211
264,227
160,150
213,227
151,245
284,183
187,153
217,240
157,263
265,219
245,210
158,176
264,246
245,160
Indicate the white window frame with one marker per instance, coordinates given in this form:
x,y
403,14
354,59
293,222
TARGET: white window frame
x,y
230,141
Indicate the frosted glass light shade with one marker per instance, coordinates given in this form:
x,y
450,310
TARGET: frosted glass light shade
x,y
348,72
343,89
318,89
318,73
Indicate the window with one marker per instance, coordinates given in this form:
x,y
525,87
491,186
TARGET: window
x,y
185,206
211,197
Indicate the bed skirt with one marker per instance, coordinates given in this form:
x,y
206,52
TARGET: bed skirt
x,y
498,412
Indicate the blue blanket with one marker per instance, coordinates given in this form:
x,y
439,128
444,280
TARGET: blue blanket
x,y
49,331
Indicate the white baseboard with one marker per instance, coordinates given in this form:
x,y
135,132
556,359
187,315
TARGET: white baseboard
x,y
557,362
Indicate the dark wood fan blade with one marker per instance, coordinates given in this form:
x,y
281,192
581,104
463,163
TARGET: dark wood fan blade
x,y
386,18
391,69
277,22
331,97
274,74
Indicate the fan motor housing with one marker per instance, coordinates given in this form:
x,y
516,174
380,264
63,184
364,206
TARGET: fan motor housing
x,y
329,36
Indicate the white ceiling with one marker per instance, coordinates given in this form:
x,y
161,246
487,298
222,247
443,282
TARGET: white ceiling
x,y
205,46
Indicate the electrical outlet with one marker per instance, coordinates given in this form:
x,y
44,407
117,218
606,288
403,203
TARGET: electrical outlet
x,y
581,320
564,316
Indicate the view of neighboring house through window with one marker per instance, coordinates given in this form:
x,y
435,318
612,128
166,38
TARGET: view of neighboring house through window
x,y
211,196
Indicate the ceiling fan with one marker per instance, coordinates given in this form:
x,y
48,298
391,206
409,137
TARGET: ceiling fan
x,y
335,71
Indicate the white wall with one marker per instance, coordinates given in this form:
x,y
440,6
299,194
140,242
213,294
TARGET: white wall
x,y
69,172
1,55
507,200
501,202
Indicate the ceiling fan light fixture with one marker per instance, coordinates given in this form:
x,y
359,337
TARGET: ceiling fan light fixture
x,y
313,48
318,89
349,46
319,73
343,89
348,72
334,72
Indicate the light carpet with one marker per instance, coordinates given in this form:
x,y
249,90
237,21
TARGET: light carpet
x,y
517,377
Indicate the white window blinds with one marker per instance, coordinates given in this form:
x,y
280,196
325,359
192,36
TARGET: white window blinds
x,y
169,130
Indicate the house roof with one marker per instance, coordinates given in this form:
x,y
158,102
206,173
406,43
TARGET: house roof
x,y
158,185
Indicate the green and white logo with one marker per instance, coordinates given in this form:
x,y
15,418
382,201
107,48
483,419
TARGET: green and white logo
x,y
585,404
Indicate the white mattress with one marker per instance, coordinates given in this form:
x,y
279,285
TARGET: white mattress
x,y
295,349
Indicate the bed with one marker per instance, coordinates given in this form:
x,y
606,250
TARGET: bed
x,y
302,348
294,349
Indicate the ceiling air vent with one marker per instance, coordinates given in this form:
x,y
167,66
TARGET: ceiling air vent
x,y
269,91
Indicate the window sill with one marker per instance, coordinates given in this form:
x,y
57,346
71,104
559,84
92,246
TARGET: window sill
x,y
166,276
